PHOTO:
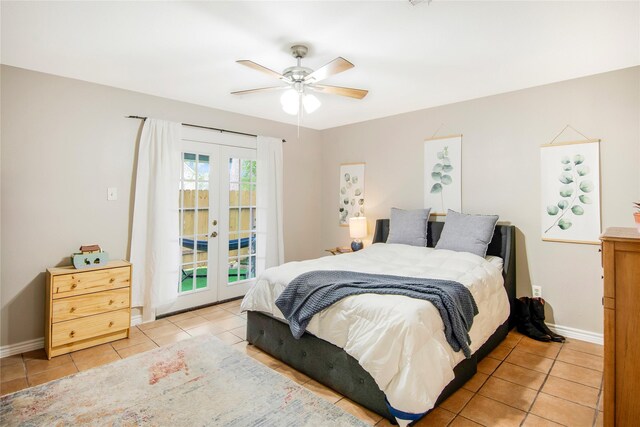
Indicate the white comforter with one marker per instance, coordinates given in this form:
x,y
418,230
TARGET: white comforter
x,y
400,341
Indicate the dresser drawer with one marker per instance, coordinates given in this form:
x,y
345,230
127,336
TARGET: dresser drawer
x,y
89,304
89,327
79,283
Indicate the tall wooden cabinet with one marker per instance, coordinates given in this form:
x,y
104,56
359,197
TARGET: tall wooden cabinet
x,y
621,262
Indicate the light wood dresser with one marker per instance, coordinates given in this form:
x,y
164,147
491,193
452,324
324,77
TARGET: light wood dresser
x,y
621,262
87,307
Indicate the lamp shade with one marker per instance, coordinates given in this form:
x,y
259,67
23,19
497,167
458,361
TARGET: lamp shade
x,y
358,227
310,103
290,101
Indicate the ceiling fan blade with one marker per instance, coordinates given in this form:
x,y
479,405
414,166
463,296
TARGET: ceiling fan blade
x,y
260,68
343,91
336,66
261,89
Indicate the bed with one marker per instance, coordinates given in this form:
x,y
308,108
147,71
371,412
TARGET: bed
x,y
328,353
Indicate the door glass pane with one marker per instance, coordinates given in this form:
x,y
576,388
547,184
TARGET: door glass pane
x,y
244,248
200,276
233,269
188,255
245,219
234,190
253,219
243,270
252,270
194,220
189,166
203,168
253,171
234,218
252,188
186,281
234,170
245,194
245,172
188,223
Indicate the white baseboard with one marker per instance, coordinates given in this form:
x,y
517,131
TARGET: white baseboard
x,y
578,334
35,344
136,320
21,347
38,343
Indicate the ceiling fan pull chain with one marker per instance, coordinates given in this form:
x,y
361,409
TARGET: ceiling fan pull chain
x,y
300,112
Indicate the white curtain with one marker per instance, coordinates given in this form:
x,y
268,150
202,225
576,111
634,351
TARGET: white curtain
x,y
270,235
155,252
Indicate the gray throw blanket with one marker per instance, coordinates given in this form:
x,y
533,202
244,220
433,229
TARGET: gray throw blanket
x,y
314,291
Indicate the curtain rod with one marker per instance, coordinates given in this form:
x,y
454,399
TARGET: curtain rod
x,y
205,127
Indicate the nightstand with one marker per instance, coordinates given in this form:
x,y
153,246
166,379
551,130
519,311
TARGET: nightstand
x,y
338,250
87,307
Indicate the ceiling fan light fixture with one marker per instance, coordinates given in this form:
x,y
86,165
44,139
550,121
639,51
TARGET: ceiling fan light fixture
x,y
295,100
311,103
290,101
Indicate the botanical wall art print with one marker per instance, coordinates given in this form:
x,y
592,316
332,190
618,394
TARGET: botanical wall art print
x,y
442,174
351,197
570,189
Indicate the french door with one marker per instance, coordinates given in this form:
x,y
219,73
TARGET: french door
x,y
217,200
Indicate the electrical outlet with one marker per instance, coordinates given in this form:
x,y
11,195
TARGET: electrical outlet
x,y
537,291
112,193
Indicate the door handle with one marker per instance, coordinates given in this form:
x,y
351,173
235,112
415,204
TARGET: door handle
x,y
214,234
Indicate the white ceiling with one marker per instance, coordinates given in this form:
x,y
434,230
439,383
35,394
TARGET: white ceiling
x,y
408,57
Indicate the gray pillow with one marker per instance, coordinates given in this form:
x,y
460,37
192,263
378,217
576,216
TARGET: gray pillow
x,y
467,233
408,227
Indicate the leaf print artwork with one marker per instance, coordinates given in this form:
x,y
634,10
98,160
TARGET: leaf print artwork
x,y
572,191
442,174
351,197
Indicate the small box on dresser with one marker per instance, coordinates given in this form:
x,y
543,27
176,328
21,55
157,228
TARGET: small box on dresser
x,y
86,307
621,263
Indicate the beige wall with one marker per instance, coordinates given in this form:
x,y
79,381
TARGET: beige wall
x,y
64,142
500,175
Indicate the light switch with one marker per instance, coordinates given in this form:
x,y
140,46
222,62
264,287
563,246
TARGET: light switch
x,y
112,193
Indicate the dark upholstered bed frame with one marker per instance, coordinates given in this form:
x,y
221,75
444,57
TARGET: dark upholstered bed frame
x,y
333,367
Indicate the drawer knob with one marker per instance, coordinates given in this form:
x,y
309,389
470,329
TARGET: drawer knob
x,y
112,280
111,324
75,285
111,301
72,310
72,334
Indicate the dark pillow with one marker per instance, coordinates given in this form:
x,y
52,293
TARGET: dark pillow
x,y
408,227
467,233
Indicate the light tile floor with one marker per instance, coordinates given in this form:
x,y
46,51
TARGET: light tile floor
x,y
522,382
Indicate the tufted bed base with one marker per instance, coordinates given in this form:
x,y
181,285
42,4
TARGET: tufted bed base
x,y
333,367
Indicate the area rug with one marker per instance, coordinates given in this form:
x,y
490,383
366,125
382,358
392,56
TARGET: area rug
x,y
197,382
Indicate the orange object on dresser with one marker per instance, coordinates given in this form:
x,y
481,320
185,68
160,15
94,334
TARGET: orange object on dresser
x,y
621,263
86,307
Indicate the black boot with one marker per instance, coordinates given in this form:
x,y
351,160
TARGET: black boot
x,y
524,321
536,308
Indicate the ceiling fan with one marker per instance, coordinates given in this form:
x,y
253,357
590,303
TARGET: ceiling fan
x,y
300,80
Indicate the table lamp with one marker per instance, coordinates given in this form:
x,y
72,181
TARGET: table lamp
x,y
357,230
